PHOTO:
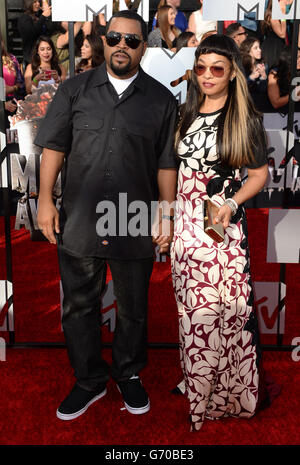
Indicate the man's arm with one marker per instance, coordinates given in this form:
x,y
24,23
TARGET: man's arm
x,y
167,184
48,216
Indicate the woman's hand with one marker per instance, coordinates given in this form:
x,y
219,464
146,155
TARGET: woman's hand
x,y
10,106
255,74
223,216
55,75
262,70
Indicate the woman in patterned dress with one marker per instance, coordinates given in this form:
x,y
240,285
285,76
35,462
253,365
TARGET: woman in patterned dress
x,y
220,132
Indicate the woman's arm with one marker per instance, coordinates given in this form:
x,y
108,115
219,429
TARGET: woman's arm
x,y
192,24
273,92
279,27
256,180
28,79
63,39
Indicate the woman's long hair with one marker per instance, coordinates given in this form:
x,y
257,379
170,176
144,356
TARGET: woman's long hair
x,y
266,23
6,57
36,61
163,24
239,123
283,71
28,9
245,49
96,44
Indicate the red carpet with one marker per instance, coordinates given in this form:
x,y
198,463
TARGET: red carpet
x,y
34,381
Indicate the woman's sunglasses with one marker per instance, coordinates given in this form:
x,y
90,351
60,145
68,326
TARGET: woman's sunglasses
x,y
216,71
114,38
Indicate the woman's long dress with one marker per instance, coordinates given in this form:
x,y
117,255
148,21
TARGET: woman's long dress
x,y
217,325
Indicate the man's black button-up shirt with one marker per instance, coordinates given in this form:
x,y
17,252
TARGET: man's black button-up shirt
x,y
113,149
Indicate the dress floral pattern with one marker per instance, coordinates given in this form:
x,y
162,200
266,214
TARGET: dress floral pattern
x,y
217,326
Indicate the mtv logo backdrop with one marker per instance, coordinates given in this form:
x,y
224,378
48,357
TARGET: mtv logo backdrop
x,y
167,67
284,236
235,10
84,10
266,304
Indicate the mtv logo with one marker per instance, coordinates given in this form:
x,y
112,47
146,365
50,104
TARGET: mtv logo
x,y
279,10
6,306
233,10
276,158
108,306
284,236
81,10
24,171
270,314
166,66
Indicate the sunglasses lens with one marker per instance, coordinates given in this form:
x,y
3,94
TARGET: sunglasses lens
x,y
217,71
200,69
113,38
132,41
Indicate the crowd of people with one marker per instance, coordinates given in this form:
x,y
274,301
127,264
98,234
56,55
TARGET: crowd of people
x,y
121,139
265,47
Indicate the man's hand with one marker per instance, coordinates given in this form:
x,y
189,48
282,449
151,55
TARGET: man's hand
x,y
163,235
48,220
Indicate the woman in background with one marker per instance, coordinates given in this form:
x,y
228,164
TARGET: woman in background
x,y
198,26
44,67
35,21
275,35
92,53
165,35
13,79
186,39
255,70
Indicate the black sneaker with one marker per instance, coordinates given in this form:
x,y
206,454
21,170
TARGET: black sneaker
x,y
78,401
135,397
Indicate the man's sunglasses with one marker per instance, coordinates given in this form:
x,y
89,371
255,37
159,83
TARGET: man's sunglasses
x,y
114,38
216,71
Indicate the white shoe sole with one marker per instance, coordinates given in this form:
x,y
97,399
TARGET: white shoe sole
x,y
139,410
134,410
72,416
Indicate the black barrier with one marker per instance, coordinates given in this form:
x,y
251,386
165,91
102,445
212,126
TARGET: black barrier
x,y
6,195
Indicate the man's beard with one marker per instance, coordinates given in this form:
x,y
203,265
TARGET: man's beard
x,y
120,70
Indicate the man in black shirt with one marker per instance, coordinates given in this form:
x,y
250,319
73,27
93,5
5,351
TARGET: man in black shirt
x,y
113,126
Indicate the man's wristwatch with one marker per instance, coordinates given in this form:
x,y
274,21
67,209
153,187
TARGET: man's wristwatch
x,y
168,217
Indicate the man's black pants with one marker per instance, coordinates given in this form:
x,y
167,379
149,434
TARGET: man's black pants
x,y
81,281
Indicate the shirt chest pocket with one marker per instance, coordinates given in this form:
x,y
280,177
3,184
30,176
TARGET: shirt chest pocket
x,y
87,135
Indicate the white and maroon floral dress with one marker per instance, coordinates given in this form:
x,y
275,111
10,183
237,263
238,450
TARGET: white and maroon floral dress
x,y
217,325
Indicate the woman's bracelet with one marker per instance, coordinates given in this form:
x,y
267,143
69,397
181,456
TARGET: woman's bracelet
x,y
167,217
35,81
232,205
